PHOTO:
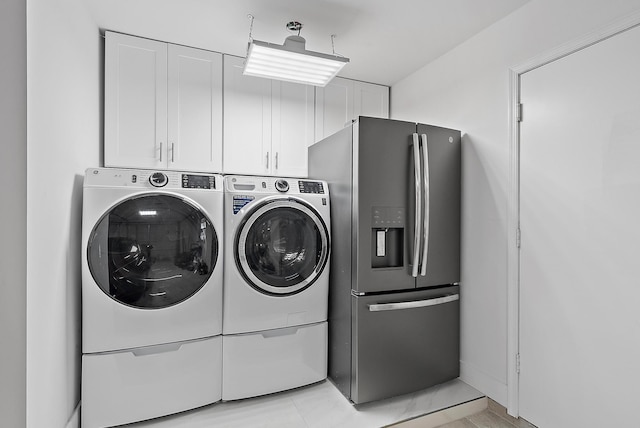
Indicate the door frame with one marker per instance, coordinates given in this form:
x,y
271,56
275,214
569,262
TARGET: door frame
x,y
513,208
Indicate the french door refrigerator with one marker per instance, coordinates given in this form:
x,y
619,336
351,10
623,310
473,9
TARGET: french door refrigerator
x,y
394,286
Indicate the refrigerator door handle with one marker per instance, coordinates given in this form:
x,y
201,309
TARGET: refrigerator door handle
x,y
425,226
413,304
418,203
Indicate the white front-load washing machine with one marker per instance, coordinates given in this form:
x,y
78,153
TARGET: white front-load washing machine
x,y
152,277
277,245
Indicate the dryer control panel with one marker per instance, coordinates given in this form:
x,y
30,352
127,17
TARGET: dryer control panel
x,y
150,179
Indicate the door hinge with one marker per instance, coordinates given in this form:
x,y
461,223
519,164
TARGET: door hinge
x,y
517,363
518,238
519,112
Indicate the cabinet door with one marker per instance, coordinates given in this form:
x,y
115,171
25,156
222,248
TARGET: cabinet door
x,y
334,107
370,100
195,109
292,128
135,124
247,120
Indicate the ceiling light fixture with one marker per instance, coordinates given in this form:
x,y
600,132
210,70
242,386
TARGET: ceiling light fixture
x,y
291,62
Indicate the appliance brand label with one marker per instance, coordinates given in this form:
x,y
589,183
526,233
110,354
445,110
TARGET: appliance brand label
x,y
239,201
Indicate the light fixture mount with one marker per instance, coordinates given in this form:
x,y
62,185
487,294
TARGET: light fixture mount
x,y
294,26
291,61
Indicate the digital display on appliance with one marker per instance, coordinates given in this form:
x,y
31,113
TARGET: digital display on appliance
x,y
191,181
310,187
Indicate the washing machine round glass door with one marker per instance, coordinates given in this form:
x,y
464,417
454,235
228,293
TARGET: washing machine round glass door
x,y
152,251
282,247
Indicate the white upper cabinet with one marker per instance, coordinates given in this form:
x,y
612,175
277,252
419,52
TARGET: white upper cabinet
x,y
163,105
343,100
334,107
370,100
268,124
292,127
195,110
247,120
135,125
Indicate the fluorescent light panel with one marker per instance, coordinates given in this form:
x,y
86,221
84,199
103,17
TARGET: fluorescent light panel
x,y
280,63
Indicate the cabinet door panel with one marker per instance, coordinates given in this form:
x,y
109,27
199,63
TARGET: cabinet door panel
x,y
334,107
135,102
195,109
370,100
293,115
247,120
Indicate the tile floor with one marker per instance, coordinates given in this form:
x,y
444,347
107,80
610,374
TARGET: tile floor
x,y
320,406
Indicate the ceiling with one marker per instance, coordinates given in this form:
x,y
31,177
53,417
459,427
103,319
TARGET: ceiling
x,y
386,40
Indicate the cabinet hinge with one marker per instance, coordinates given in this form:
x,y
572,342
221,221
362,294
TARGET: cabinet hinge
x,y
518,238
517,363
519,112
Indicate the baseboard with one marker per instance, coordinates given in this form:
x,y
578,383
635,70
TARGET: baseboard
x,y
488,385
74,419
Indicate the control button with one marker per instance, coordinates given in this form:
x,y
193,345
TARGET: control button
x,y
282,185
158,179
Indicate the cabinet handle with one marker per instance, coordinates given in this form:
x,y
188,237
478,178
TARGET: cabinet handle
x,y
267,160
160,151
173,151
276,160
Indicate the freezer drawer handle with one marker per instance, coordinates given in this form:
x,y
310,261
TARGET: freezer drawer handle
x,y
413,304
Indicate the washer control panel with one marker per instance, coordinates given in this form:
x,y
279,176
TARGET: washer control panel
x,y
311,187
272,185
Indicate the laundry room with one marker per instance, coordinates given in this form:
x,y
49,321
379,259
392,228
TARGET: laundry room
x,y
462,74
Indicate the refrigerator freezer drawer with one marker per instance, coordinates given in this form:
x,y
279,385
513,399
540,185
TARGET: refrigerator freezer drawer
x,y
404,342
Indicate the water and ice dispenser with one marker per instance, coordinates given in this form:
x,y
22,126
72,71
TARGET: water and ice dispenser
x,y
387,237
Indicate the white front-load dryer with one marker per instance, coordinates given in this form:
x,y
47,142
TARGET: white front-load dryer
x,y
152,275
277,245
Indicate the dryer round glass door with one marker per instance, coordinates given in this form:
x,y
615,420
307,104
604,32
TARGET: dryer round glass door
x,y
152,251
282,247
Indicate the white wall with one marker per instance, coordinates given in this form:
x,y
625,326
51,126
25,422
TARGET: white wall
x,y
64,137
468,89
13,210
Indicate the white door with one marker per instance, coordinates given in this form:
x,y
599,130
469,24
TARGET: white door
x,y
195,109
247,120
292,128
580,251
135,112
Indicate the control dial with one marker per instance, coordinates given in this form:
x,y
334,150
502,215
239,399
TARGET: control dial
x,y
158,179
282,185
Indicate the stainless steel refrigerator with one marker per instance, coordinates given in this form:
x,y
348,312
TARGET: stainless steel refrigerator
x,y
394,291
